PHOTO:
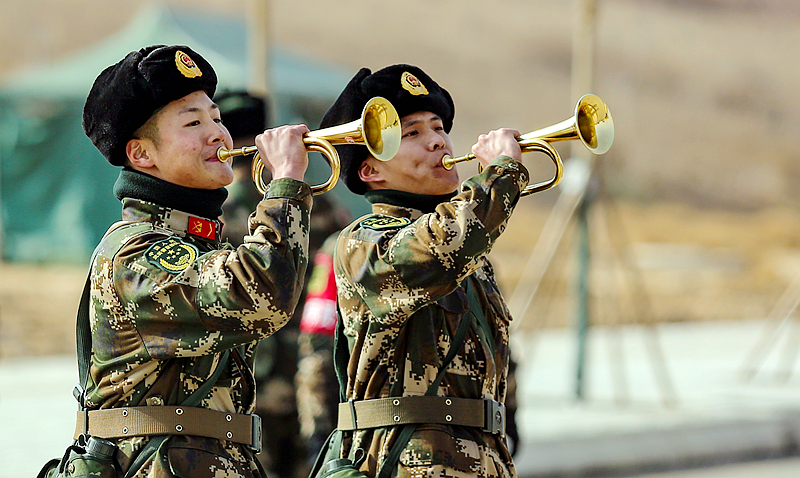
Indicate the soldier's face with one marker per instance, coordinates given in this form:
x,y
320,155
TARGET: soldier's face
x,y
417,167
190,132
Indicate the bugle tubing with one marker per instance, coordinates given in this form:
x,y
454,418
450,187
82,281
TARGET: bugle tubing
x,y
378,129
591,124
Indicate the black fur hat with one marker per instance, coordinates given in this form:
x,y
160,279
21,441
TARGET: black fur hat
x,y
125,95
407,87
244,114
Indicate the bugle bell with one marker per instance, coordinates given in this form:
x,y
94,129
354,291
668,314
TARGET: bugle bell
x,y
591,124
378,129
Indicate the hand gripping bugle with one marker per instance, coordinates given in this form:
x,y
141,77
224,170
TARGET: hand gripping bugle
x,y
591,124
378,129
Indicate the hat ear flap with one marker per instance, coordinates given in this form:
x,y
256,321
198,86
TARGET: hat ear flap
x,y
448,122
346,108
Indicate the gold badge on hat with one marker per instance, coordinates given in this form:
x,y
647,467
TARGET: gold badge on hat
x,y
186,65
412,84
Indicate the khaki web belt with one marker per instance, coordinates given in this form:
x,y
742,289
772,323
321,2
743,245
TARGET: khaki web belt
x,y
171,420
486,414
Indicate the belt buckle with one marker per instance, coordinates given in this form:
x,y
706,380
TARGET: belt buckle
x,y
495,417
255,439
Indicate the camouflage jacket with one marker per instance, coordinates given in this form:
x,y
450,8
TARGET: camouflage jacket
x,y
400,278
167,302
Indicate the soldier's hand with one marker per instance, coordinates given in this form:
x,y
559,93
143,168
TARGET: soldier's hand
x,y
496,143
283,152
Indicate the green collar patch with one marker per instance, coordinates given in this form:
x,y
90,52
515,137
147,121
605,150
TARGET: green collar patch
x,y
379,223
171,254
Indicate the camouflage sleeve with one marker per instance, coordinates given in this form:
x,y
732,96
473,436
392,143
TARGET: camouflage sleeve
x,y
223,297
398,270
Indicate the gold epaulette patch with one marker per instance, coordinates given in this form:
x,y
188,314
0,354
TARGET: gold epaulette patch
x,y
384,222
171,254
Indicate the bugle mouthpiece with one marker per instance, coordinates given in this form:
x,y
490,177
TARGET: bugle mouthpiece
x,y
226,154
448,161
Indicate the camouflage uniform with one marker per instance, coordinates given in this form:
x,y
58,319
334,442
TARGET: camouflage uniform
x,y
166,304
401,277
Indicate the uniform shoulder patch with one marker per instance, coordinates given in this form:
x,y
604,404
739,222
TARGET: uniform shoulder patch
x,y
171,254
379,223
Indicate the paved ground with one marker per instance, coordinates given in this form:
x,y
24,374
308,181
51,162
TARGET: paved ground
x,y
775,468
697,410
633,419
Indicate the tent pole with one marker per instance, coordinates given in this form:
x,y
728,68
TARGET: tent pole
x,y
582,82
259,53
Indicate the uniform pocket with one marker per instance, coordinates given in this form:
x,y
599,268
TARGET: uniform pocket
x,y
436,446
193,457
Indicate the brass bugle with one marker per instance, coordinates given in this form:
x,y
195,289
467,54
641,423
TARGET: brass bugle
x,y
591,124
378,129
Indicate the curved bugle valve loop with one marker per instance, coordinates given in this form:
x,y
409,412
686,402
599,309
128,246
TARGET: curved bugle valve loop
x,y
591,124
541,146
378,129
312,144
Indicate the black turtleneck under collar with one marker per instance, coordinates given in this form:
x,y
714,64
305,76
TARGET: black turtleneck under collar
x,y
206,203
422,202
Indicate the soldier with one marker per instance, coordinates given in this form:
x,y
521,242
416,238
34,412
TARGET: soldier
x,y
245,116
275,358
173,311
409,275
281,393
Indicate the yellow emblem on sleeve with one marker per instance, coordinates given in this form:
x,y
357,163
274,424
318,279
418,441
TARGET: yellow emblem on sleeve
x,y
171,254
412,84
384,222
186,65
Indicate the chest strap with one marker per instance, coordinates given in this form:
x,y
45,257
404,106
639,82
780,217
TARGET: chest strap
x,y
486,414
172,420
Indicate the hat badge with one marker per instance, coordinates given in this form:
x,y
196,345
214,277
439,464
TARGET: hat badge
x,y
412,84
186,65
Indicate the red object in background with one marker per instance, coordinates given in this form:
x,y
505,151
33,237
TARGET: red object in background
x,y
319,311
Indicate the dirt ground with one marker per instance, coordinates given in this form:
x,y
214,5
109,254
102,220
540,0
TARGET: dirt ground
x,y
699,220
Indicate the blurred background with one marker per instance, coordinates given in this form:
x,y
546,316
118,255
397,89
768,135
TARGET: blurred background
x,y
658,292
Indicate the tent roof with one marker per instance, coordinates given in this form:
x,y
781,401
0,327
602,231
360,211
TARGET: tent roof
x,y
220,39
55,179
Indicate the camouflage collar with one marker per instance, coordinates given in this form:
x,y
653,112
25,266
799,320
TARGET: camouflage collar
x,y
396,211
173,220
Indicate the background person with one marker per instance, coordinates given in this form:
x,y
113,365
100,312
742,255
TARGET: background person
x,y
245,116
286,390
275,360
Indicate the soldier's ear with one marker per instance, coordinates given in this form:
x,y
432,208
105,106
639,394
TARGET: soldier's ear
x,y
140,152
368,173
